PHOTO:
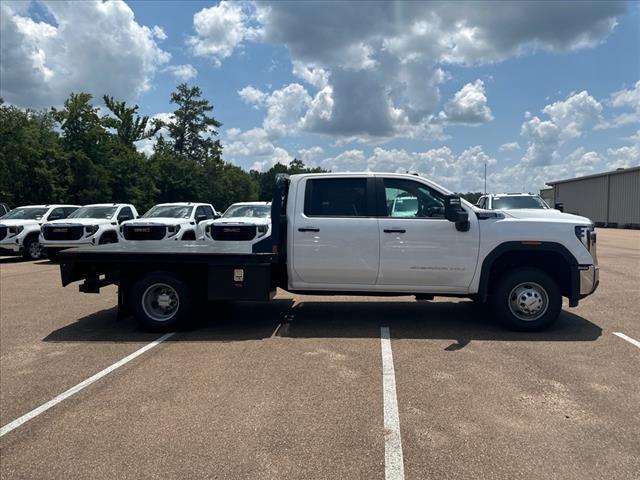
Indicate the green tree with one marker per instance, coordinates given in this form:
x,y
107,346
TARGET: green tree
x,y
265,180
192,130
87,144
34,166
128,125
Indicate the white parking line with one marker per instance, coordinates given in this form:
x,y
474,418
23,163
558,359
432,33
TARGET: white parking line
x,y
628,339
393,461
85,383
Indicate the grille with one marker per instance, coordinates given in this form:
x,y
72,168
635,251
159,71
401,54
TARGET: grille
x,y
144,232
233,232
3,232
62,232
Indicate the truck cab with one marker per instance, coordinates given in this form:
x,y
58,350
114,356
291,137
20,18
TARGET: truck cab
x,y
20,228
344,233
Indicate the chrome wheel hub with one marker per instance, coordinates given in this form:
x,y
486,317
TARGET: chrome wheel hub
x,y
528,301
160,302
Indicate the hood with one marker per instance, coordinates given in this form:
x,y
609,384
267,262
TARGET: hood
x,y
19,223
157,220
248,220
549,214
80,221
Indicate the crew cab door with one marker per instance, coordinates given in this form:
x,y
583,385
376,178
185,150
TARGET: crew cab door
x,y
418,246
335,233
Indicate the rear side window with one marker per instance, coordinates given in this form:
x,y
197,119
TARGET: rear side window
x,y
336,197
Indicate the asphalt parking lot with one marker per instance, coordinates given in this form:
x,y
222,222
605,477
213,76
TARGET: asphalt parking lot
x,y
299,387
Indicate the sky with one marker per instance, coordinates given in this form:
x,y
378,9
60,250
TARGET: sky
x,y
537,91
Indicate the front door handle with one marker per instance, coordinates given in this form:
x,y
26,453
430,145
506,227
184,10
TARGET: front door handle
x,y
395,230
308,229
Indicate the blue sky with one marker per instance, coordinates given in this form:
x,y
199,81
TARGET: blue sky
x,y
538,91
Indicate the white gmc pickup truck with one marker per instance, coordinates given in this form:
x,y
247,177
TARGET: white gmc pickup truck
x,y
346,234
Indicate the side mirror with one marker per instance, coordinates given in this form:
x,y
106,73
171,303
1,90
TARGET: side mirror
x,y
123,219
200,218
217,215
559,206
454,212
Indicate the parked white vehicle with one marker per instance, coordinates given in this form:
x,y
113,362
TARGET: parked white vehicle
x,y
511,201
241,222
20,228
90,225
169,221
338,234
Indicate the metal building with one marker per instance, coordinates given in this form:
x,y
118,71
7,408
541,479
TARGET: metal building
x,y
610,199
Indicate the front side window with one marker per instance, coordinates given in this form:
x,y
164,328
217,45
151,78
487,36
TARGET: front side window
x,y
25,213
94,212
336,197
409,199
254,211
125,214
169,211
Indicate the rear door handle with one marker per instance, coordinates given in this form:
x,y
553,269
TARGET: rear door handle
x,y
395,230
308,229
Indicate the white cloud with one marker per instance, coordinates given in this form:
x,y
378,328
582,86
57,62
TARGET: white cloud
x,y
410,44
568,119
182,72
628,99
309,155
509,147
348,161
574,113
252,96
468,105
41,63
280,155
158,32
221,29
285,108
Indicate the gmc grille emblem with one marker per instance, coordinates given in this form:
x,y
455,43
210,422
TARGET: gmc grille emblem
x,y
59,230
142,230
231,230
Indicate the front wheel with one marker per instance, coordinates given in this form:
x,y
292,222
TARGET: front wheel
x,y
32,249
527,300
161,302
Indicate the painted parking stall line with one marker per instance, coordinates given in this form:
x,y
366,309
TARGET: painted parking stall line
x,y
85,383
393,459
632,341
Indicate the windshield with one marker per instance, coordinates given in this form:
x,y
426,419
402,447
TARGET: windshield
x,y
512,202
94,212
255,211
169,211
25,213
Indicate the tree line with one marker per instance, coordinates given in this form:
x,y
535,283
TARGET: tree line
x,y
77,155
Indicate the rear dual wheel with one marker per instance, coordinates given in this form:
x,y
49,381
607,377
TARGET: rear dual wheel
x,y
161,302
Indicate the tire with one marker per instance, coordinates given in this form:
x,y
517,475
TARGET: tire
x,y
107,238
173,309
526,300
32,249
191,235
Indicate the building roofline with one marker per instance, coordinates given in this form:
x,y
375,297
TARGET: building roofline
x,y
595,175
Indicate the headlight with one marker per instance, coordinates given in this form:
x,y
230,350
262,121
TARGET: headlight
x,y
15,230
172,230
262,230
91,229
586,234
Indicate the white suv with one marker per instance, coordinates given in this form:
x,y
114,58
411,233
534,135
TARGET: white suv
x,y
241,222
169,221
511,201
90,225
20,228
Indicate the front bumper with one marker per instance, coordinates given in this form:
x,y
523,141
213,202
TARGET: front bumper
x,y
10,247
589,279
62,244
